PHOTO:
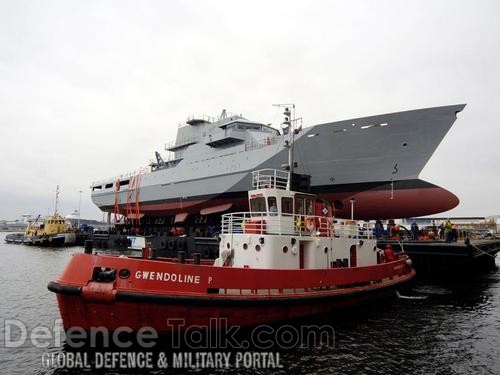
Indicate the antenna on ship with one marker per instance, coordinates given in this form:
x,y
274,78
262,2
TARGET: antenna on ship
x,y
288,128
57,200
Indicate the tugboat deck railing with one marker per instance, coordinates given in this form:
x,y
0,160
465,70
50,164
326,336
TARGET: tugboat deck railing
x,y
294,225
270,179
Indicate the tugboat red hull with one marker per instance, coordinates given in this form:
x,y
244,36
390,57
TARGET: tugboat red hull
x,y
171,296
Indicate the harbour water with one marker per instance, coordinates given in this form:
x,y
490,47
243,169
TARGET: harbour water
x,y
454,329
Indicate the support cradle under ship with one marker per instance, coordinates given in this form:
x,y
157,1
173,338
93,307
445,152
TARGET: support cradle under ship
x,y
375,160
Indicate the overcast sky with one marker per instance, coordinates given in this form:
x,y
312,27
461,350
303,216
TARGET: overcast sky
x,y
90,89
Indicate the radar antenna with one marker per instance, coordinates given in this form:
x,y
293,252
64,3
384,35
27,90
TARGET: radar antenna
x,y
288,126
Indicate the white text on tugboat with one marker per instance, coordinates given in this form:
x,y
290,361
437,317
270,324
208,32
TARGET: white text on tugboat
x,y
166,276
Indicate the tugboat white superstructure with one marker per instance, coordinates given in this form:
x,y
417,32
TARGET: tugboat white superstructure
x,y
292,230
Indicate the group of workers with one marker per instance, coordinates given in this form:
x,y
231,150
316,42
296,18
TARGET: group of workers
x,y
392,230
446,231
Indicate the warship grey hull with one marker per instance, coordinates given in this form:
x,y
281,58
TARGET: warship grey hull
x,y
375,160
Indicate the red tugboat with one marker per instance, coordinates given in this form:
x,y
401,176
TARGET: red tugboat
x,y
287,258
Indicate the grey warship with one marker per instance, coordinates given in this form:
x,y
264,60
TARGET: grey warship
x,y
373,161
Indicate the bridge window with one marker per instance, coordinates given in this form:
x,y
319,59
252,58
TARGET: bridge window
x,y
299,206
257,205
309,207
286,205
273,206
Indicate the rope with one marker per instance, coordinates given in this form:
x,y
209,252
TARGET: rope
x,y
137,190
117,201
130,189
401,245
486,253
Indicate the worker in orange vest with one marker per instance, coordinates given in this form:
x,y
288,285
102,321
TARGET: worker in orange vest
x,y
389,254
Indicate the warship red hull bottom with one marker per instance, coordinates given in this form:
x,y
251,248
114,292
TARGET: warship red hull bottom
x,y
197,294
372,201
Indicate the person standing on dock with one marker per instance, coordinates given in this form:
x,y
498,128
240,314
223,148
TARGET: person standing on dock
x,y
447,230
390,229
454,233
434,228
414,230
441,231
379,229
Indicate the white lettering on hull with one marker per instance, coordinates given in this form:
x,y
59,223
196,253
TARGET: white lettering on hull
x,y
167,276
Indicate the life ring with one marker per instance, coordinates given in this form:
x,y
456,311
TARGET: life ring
x,y
310,224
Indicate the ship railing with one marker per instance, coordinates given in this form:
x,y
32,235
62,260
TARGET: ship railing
x,y
121,177
205,118
179,143
270,178
353,229
271,140
293,225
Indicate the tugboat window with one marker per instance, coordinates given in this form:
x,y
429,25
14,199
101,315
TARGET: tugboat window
x,y
258,205
299,206
273,207
309,207
286,205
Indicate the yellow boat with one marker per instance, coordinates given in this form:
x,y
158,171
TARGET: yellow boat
x,y
54,231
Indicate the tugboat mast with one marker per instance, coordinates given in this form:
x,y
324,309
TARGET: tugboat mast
x,y
288,126
56,200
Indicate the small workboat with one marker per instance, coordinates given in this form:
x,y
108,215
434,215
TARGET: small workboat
x,y
53,231
287,258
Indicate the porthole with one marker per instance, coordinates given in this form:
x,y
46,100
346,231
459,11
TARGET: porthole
x,y
124,273
326,250
245,246
228,245
285,249
257,247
